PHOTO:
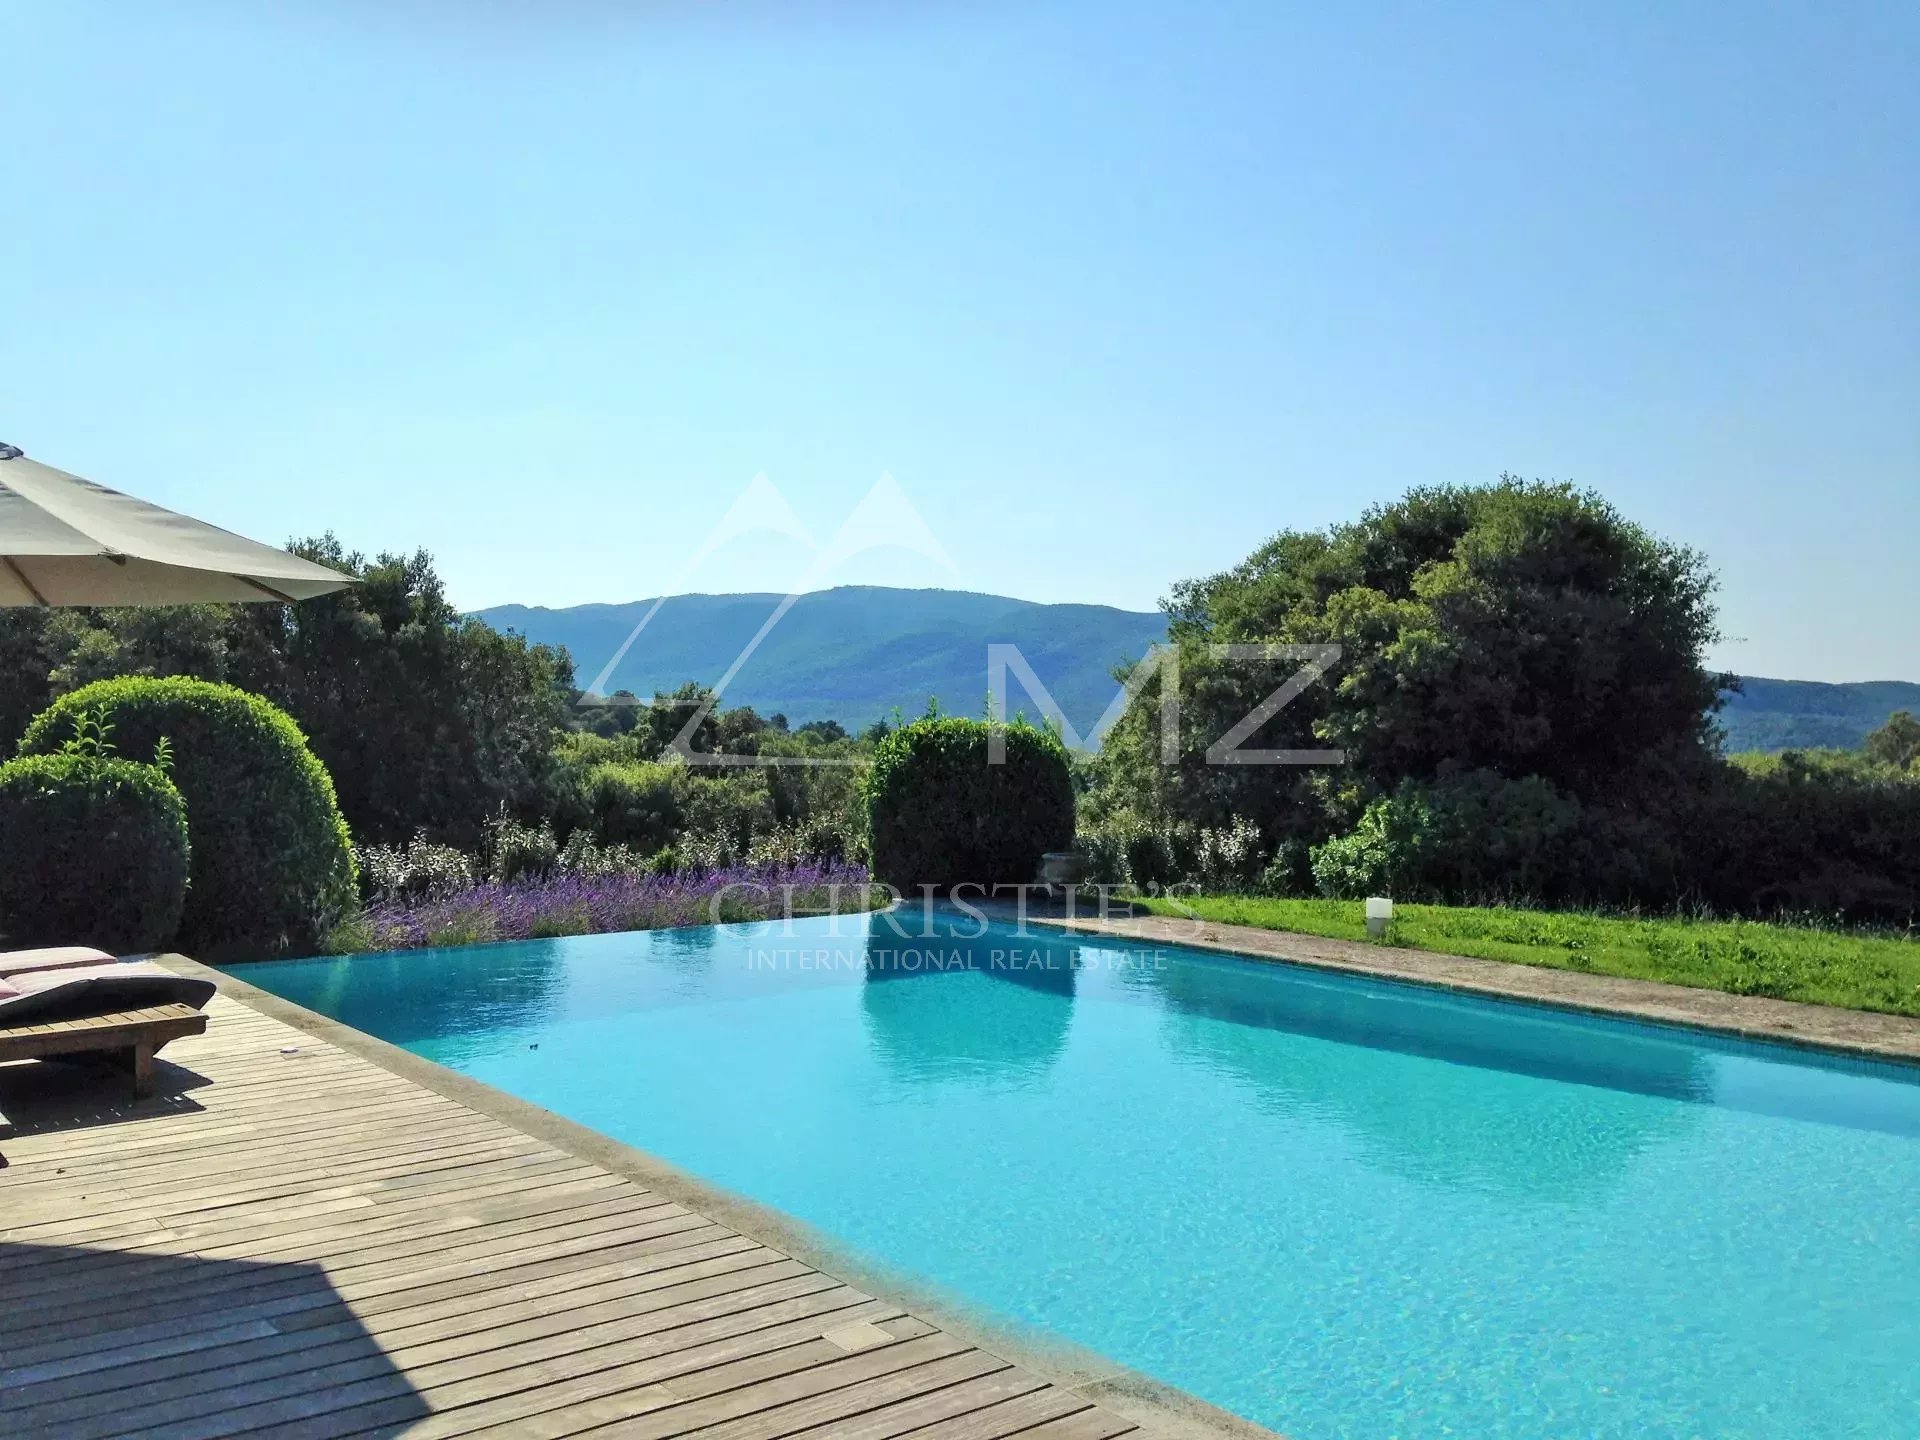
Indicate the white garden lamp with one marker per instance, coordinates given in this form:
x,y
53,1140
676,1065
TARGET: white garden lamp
x,y
1379,915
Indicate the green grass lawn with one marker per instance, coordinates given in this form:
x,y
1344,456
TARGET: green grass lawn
x,y
1827,967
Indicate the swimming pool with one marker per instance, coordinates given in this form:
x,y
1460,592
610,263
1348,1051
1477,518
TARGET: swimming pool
x,y
1335,1206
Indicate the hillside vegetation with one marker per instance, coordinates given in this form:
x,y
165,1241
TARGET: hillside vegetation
x,y
1521,709
858,653
1522,699
855,654
1775,715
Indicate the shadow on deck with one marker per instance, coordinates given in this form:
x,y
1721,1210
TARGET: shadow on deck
x,y
93,1341
47,1097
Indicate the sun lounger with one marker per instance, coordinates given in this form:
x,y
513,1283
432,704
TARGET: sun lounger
x,y
64,957
80,1002
76,992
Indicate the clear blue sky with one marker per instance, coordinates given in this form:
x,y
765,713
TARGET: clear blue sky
x,y
1113,290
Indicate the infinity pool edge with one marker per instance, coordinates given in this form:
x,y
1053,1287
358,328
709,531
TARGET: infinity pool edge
x,y
1860,1034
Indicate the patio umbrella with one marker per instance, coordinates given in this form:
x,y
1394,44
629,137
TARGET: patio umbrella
x,y
68,541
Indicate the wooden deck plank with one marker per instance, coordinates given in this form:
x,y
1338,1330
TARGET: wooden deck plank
x,y
288,1239
285,1352
165,1174
37,1333
966,1399
476,1201
713,1258
1007,1417
701,1397
341,1249
348,1385
825,1395
45,1218
361,1379
1086,1425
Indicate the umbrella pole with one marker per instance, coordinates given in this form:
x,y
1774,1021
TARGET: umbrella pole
x,y
267,590
21,576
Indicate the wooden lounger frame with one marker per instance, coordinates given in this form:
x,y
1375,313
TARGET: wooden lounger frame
x,y
133,1034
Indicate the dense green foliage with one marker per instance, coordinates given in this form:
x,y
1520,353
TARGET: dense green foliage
x,y
940,814
1523,629
1788,962
642,803
424,718
1896,744
448,739
1814,836
1475,834
1525,714
630,789
1521,698
93,851
272,866
1811,835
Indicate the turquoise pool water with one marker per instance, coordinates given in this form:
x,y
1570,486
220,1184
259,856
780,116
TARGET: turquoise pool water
x,y
1336,1207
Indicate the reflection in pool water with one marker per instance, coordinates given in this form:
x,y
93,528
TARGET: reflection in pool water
x,y
909,1010
1335,1206
1373,1082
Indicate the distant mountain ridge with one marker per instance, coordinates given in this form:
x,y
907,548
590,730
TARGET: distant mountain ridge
x,y
1811,714
853,654
857,653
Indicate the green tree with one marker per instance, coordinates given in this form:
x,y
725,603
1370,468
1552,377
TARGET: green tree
x,y
741,730
428,719
1896,743
615,715
188,640
1513,632
32,642
667,716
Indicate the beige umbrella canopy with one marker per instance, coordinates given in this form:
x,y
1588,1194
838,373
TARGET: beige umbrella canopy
x,y
68,541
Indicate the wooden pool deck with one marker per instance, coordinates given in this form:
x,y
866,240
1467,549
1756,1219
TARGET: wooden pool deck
x,y
289,1239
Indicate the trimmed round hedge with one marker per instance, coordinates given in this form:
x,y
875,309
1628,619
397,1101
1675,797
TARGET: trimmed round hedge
x,y
940,815
272,865
92,852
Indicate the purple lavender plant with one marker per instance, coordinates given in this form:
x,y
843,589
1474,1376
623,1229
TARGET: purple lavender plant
x,y
570,904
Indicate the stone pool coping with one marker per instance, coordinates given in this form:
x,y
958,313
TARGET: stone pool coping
x,y
1859,1033
1159,1409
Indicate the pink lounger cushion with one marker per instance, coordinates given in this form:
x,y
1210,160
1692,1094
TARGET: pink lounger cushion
x,y
73,994
64,957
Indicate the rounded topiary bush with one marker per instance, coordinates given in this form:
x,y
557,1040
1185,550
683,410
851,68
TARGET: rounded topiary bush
x,y
272,864
93,851
941,815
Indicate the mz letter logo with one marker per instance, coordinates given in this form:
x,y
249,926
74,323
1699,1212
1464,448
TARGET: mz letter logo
x,y
1164,661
